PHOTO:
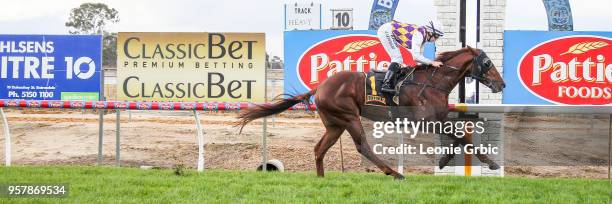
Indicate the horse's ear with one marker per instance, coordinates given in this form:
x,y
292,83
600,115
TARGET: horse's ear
x,y
472,50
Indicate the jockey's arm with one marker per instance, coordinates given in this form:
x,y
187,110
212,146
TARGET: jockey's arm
x,y
417,50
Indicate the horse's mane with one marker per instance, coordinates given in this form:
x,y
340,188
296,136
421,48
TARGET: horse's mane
x,y
445,56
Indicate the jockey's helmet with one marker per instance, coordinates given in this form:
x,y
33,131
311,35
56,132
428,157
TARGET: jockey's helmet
x,y
435,29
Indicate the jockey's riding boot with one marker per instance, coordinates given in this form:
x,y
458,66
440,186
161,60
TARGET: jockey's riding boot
x,y
387,86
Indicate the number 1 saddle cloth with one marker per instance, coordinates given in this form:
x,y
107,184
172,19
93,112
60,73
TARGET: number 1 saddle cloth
x,y
373,86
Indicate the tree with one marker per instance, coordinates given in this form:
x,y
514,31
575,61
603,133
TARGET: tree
x,y
92,18
109,50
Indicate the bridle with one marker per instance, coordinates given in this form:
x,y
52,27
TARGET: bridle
x,y
482,64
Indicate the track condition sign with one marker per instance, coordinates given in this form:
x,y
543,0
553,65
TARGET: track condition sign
x,y
50,67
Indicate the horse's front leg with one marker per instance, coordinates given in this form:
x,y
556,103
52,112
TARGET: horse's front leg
x,y
448,157
482,157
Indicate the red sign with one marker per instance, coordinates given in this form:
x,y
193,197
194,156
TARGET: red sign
x,y
357,52
572,70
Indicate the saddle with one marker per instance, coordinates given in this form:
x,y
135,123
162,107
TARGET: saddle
x,y
373,87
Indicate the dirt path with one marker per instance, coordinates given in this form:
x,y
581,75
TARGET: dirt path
x,y
165,139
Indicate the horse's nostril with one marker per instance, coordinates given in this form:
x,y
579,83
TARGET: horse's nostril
x,y
503,85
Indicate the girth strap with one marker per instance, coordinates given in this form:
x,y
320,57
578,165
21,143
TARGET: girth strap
x,y
426,86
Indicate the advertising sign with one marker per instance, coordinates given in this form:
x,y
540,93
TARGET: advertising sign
x,y
559,15
303,16
571,68
179,67
50,67
382,12
313,56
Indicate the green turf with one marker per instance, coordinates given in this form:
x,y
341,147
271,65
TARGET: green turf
x,y
129,185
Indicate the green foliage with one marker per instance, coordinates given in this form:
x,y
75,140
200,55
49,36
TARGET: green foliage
x,y
92,18
109,51
130,185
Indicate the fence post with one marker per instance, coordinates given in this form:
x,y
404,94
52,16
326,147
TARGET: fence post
x,y
101,118
7,140
400,157
264,142
273,95
200,135
264,148
100,136
117,138
609,146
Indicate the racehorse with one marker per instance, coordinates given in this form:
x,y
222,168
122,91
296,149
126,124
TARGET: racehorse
x,y
340,99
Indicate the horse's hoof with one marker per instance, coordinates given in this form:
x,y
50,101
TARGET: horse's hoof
x,y
443,162
494,166
399,177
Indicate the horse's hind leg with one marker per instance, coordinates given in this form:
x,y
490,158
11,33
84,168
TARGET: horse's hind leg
x,y
482,157
358,135
332,133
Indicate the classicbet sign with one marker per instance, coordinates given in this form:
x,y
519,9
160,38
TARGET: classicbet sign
x,y
571,68
50,67
223,67
313,56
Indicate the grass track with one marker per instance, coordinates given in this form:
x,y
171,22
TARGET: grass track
x,y
129,185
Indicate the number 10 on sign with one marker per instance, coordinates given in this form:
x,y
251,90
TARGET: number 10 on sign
x,y
342,19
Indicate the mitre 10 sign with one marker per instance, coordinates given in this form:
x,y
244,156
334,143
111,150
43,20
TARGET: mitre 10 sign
x,y
50,67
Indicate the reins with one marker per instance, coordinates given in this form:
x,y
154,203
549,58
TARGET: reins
x,y
428,84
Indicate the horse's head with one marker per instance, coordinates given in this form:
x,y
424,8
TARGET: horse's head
x,y
474,63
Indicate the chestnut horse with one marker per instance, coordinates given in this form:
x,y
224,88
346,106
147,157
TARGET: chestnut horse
x,y
340,99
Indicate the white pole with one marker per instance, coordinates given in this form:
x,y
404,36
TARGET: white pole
x,y
101,119
264,149
273,95
200,142
117,138
264,143
7,140
400,158
100,136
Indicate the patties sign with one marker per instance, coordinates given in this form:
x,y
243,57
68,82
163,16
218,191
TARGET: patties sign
x,y
357,52
569,70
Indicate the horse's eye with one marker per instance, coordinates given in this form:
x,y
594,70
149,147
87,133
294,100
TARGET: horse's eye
x,y
488,63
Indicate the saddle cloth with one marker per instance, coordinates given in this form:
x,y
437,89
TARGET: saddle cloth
x,y
373,86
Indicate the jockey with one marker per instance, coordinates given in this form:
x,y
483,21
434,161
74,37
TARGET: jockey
x,y
410,36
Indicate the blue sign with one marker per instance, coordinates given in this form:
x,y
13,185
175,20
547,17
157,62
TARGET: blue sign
x,y
545,67
50,67
382,12
559,15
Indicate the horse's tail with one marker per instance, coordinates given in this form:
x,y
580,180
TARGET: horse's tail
x,y
268,109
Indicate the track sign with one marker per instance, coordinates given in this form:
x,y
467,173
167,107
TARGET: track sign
x,y
342,19
303,16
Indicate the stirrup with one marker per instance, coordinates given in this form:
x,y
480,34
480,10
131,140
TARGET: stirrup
x,y
387,89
